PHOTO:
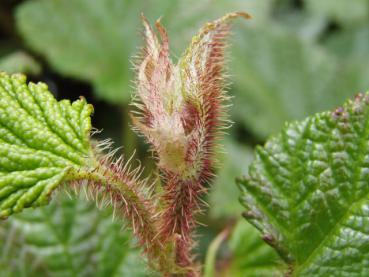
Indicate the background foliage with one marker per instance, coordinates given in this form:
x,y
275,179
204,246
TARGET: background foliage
x,y
295,58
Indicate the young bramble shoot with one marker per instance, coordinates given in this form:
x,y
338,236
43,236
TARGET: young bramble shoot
x,y
181,112
306,190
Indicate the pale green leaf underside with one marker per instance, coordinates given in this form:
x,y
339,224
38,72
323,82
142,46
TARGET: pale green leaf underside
x,y
19,62
40,139
307,191
251,256
69,237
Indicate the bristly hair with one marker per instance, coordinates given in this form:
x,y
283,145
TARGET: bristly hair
x,y
114,183
181,111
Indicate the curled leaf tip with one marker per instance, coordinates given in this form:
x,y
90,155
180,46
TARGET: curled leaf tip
x,y
183,104
237,14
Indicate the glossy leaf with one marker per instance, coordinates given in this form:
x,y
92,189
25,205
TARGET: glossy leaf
x,y
40,140
307,192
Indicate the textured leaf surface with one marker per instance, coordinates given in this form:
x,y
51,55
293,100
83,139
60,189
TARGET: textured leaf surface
x,y
250,255
40,139
307,191
67,238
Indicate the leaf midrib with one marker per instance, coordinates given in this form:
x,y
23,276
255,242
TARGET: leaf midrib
x,y
356,201
316,251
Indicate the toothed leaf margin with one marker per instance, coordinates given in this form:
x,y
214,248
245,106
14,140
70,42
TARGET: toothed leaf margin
x,y
41,139
307,191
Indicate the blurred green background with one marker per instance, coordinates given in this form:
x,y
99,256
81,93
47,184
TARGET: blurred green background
x,y
294,58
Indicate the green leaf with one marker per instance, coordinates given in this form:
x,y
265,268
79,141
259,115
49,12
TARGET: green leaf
x,y
19,62
223,195
40,140
351,47
307,192
341,11
350,43
280,77
68,238
85,39
251,256
105,36
95,40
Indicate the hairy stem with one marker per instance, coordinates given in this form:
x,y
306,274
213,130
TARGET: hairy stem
x,y
108,187
181,203
181,111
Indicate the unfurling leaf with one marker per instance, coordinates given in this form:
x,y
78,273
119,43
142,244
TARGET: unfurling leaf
x,y
40,140
181,113
182,106
307,192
